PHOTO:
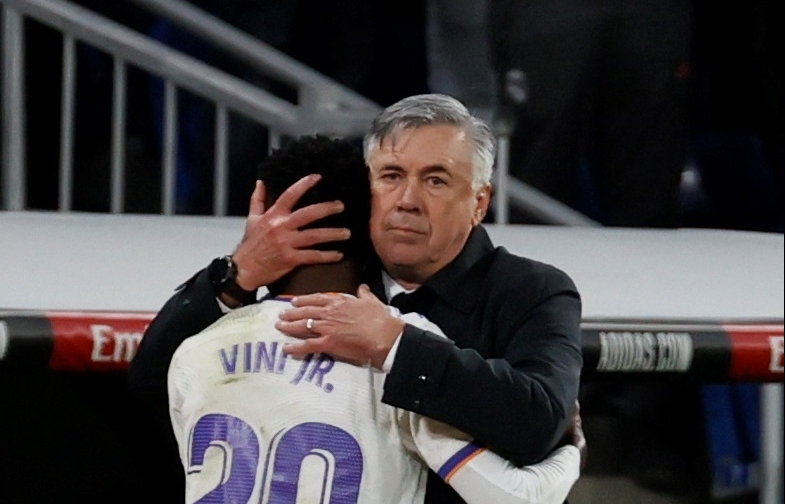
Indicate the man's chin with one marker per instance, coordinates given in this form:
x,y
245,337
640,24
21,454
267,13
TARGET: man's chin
x,y
402,254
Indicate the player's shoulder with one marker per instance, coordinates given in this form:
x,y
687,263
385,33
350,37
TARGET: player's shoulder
x,y
258,316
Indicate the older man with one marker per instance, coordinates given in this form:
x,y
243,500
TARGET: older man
x,y
509,374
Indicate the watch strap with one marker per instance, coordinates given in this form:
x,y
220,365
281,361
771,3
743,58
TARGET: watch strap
x,y
223,278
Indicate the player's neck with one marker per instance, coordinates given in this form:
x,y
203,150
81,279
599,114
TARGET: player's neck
x,y
343,276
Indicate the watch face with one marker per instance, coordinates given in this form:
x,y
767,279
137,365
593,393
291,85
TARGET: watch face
x,y
229,271
223,279
220,272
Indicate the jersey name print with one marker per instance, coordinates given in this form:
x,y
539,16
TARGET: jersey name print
x,y
268,357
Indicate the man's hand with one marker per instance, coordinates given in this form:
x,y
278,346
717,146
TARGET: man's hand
x,y
273,244
574,434
357,330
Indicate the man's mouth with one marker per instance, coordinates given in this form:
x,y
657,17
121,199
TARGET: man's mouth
x,y
405,230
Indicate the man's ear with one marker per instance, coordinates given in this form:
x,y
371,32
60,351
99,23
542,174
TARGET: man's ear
x,y
482,202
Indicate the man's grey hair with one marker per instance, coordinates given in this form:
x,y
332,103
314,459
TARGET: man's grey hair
x,y
436,109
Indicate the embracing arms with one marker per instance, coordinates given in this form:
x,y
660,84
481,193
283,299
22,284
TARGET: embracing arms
x,y
511,387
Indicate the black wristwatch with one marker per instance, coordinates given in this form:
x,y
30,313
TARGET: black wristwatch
x,y
223,278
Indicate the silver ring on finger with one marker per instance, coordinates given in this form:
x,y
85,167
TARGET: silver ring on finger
x,y
309,324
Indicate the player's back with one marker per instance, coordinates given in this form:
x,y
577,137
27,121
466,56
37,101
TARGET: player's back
x,y
255,425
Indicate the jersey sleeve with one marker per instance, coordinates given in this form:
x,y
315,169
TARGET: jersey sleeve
x,y
479,475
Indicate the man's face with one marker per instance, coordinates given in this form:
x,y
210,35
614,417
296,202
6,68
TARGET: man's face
x,y
423,205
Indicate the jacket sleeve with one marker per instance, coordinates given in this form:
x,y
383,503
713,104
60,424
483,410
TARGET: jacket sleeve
x,y
518,403
192,308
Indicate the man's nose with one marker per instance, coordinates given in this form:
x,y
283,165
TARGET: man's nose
x,y
410,197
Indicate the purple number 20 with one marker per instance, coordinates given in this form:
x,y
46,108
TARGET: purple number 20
x,y
339,451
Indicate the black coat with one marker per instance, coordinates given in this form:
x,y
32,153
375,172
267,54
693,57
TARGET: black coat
x,y
510,375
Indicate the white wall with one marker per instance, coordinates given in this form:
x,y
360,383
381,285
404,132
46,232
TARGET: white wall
x,y
76,261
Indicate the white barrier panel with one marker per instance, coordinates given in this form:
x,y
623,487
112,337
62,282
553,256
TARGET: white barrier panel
x,y
133,262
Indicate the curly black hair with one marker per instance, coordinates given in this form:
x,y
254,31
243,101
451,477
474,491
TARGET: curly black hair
x,y
344,177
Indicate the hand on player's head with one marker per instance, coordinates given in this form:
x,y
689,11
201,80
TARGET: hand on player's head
x,y
273,243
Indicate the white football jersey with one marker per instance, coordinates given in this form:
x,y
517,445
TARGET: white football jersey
x,y
256,425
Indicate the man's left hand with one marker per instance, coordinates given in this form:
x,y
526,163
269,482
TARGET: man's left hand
x,y
357,330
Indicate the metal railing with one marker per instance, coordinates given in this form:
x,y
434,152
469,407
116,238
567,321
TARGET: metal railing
x,y
126,46
323,105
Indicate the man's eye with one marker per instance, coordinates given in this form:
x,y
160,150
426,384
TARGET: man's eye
x,y
436,181
390,176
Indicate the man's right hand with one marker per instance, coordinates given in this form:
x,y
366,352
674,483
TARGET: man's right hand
x,y
273,244
574,434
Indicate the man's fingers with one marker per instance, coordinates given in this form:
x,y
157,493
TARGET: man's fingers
x,y
310,300
302,257
297,329
301,314
300,350
312,213
310,237
289,198
364,292
256,207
